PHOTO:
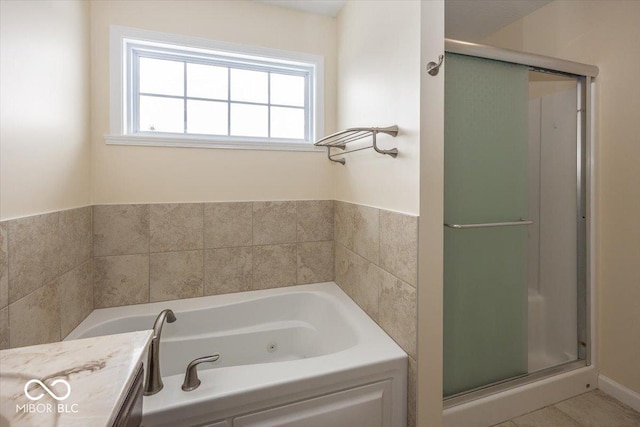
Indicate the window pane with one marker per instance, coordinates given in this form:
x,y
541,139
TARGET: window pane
x,y
287,123
161,114
161,77
249,120
249,86
207,117
205,81
287,90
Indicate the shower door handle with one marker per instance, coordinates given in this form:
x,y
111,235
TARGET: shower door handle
x,y
490,224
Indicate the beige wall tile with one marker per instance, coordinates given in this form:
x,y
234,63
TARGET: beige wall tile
x,y
175,275
120,280
4,328
227,270
399,245
35,319
315,262
120,229
4,266
76,297
274,223
75,237
359,278
412,377
357,228
34,254
274,266
228,224
347,267
315,220
343,226
176,227
397,314
548,416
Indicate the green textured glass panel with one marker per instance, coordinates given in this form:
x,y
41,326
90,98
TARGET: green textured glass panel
x,y
485,292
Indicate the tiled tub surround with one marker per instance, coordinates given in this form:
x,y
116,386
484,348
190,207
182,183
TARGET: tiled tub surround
x,y
158,252
55,268
46,285
376,265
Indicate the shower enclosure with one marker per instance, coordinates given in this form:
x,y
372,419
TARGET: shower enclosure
x,y
515,247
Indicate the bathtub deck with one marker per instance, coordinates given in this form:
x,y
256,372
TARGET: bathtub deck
x,y
590,409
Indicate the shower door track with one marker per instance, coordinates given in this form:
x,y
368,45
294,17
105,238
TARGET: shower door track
x,y
583,74
510,383
538,62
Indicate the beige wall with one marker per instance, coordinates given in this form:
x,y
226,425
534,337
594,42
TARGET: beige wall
x,y
127,174
379,85
44,81
607,34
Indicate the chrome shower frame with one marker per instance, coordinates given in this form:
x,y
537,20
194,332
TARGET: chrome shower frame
x,y
583,73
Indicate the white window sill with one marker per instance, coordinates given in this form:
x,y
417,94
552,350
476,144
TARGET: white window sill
x,y
204,142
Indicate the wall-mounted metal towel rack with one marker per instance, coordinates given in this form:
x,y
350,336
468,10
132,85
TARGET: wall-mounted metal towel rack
x,y
340,140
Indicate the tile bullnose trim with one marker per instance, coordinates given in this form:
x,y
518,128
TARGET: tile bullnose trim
x,y
29,215
411,214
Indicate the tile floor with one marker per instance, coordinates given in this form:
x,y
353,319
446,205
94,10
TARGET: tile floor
x,y
592,409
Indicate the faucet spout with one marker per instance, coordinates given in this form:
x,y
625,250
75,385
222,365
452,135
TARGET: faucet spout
x,y
165,314
153,379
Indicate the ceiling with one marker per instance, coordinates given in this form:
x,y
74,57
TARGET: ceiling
x,y
321,7
468,20
473,20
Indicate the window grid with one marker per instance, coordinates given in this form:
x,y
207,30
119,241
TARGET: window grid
x,y
268,108
137,94
184,102
228,103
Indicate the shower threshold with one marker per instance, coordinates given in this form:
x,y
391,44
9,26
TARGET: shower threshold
x,y
511,383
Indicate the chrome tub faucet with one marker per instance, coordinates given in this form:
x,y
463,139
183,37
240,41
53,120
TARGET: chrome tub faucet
x,y
153,379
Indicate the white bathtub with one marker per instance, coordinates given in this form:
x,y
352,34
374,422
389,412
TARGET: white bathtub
x,y
296,356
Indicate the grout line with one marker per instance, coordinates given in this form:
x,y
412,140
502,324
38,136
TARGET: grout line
x,y
59,312
57,278
295,204
133,254
253,250
386,271
148,252
93,268
8,286
204,258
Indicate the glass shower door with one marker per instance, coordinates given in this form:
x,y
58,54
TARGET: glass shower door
x,y
486,210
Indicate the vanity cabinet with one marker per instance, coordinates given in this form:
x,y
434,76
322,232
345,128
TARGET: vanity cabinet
x,y
130,413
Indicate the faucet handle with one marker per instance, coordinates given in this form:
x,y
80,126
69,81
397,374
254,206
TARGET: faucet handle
x,y
191,380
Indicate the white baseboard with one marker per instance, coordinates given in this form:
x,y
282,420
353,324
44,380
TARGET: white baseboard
x,y
620,392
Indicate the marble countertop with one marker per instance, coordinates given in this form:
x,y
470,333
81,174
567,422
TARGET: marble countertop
x,y
71,383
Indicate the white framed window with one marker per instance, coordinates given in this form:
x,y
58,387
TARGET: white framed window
x,y
172,90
